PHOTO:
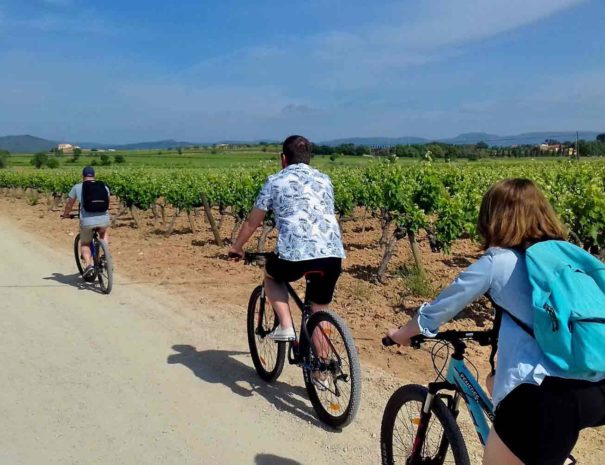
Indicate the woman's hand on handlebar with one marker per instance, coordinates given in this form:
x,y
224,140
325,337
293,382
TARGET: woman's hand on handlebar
x,y
403,335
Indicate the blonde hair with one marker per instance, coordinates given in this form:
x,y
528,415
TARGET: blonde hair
x,y
515,214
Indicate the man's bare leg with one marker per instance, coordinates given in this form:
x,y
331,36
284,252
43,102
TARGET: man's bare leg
x,y
277,293
86,254
104,234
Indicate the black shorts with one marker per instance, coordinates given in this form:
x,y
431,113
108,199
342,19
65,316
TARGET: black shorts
x,y
541,424
320,286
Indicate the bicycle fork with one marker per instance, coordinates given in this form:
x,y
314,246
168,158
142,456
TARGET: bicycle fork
x,y
425,419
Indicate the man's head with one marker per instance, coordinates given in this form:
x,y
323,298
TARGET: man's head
x,y
88,172
296,149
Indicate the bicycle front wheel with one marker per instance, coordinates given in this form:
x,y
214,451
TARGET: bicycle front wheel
x,y
443,443
268,356
332,372
104,266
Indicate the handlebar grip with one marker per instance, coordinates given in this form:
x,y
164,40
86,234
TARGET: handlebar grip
x,y
387,341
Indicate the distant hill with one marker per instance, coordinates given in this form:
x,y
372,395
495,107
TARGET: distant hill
x,y
470,138
31,144
160,145
25,144
378,141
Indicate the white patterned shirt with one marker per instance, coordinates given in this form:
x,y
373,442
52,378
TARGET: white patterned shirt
x,y
302,200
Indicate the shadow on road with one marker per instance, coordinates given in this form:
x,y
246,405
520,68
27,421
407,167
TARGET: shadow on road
x,y
74,280
270,459
220,366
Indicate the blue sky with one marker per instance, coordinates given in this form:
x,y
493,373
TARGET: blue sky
x,y
205,70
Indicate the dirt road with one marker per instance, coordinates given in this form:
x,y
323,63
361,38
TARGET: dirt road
x,y
141,378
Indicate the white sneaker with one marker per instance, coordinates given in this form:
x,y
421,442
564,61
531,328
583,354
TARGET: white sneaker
x,y
320,380
282,335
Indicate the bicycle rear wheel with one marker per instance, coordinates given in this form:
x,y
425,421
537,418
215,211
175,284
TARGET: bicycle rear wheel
x,y
443,443
332,372
268,356
104,266
77,254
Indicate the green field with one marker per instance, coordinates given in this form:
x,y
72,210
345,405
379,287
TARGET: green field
x,y
208,158
188,159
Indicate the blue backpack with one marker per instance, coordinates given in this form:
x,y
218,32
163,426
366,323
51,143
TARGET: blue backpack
x,y
568,296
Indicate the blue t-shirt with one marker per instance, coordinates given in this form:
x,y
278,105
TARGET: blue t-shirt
x,y
89,219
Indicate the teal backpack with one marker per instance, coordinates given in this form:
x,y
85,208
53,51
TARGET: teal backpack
x,y
568,296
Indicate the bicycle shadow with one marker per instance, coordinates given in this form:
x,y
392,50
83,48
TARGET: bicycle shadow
x,y
270,459
73,280
220,367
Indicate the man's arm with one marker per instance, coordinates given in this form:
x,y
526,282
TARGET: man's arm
x,y
254,220
68,206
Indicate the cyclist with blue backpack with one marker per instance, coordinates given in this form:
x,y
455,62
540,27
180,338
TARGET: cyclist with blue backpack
x,y
550,301
93,196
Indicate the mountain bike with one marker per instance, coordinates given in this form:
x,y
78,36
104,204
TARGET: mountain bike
x,y
419,424
323,348
103,265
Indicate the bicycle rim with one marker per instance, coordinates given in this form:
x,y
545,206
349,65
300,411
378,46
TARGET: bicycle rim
x,y
267,355
77,254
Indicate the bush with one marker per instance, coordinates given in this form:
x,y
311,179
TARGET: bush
x,y
32,197
93,162
119,159
40,159
52,163
105,161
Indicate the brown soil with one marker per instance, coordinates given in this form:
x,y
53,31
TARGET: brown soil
x,y
191,266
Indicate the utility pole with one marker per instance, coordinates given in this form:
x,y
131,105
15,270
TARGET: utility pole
x,y
577,148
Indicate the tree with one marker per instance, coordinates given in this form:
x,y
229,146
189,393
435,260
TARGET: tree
x,y
4,158
436,150
406,151
40,159
119,158
481,145
452,152
601,138
179,151
77,152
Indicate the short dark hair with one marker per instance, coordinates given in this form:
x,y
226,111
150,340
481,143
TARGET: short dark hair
x,y
297,149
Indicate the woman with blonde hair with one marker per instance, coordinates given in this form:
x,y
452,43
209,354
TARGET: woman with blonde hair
x,y
538,413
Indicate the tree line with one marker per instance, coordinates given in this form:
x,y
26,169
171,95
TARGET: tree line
x,y
439,150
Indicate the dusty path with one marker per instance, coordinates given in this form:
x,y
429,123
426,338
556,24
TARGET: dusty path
x,y
139,378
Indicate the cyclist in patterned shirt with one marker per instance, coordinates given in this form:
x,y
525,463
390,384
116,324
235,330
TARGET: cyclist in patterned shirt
x,y
309,238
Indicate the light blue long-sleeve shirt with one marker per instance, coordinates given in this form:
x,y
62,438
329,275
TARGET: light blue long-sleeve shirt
x,y
502,273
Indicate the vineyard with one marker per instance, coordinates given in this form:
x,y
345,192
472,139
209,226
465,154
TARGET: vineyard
x,y
438,201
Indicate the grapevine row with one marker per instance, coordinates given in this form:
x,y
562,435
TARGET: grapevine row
x,y
441,201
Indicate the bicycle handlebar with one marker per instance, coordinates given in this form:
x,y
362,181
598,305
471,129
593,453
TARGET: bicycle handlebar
x,y
484,338
251,257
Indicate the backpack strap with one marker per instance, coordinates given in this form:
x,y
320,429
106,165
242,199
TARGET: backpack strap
x,y
495,333
496,330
